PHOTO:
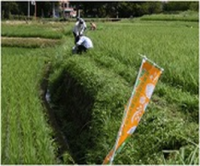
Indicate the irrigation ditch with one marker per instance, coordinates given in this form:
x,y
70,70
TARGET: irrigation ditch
x,y
60,138
71,127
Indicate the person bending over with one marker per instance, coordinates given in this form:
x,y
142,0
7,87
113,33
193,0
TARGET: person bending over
x,y
82,45
93,26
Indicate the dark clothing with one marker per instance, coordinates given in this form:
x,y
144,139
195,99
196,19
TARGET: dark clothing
x,y
76,38
81,49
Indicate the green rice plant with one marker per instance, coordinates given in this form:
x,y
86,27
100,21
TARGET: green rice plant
x,y
164,44
81,68
27,137
161,132
183,16
32,30
111,63
184,156
29,42
89,92
89,71
185,101
95,89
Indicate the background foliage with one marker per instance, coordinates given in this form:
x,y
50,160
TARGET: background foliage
x,y
100,9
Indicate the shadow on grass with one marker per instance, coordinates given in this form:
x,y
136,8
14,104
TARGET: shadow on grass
x,y
69,115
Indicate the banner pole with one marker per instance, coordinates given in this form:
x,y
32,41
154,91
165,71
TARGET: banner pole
x,y
144,56
145,83
125,113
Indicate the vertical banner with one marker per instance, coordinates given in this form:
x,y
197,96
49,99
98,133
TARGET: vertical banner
x,y
144,86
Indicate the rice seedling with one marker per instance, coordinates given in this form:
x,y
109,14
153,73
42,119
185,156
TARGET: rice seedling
x,y
29,42
183,16
32,30
25,144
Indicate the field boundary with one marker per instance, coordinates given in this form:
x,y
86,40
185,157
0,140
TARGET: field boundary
x,y
29,42
61,139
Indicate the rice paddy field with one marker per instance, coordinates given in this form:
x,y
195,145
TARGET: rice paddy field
x,y
88,93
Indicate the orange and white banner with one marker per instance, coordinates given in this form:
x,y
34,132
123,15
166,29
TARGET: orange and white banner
x,y
146,81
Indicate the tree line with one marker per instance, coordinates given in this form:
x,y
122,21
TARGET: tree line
x,y
99,9
133,9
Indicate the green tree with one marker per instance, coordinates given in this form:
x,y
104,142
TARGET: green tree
x,y
9,8
194,6
176,6
154,7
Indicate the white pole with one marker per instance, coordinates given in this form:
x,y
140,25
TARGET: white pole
x,y
53,10
144,56
35,10
79,13
28,8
